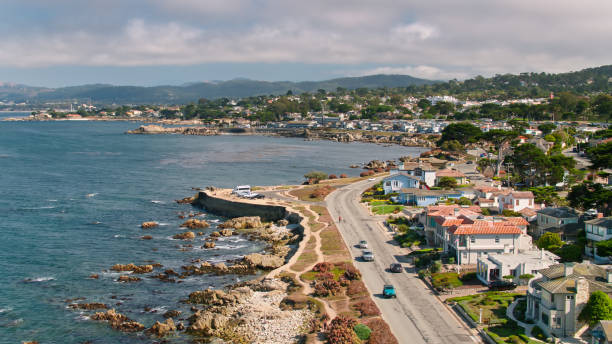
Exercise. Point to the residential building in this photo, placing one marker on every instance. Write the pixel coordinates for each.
(424, 171)
(602, 332)
(558, 294)
(398, 181)
(495, 266)
(424, 197)
(597, 230)
(457, 175)
(516, 201)
(556, 220)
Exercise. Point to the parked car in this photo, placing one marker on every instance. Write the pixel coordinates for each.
(389, 291)
(396, 267)
(368, 256)
(363, 244)
(502, 285)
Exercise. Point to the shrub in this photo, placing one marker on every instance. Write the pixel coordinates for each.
(366, 308)
(327, 287)
(340, 331)
(470, 276)
(356, 288)
(537, 332)
(364, 174)
(451, 260)
(324, 276)
(436, 266)
(321, 192)
(352, 273)
(316, 176)
(363, 332)
(323, 267)
(423, 273)
(381, 333)
(343, 175)
(332, 176)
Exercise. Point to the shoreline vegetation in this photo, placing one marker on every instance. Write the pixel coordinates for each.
(309, 289)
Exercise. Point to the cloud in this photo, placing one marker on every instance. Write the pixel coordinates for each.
(434, 39)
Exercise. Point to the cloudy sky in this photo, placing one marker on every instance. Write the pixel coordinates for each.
(151, 42)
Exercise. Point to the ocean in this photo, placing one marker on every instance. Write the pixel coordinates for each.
(74, 193)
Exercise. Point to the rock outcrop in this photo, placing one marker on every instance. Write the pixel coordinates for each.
(88, 306)
(125, 279)
(149, 225)
(160, 329)
(264, 261)
(137, 269)
(158, 129)
(243, 222)
(195, 224)
(209, 244)
(118, 321)
(210, 297)
(184, 236)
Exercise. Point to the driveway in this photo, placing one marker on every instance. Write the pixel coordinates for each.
(416, 316)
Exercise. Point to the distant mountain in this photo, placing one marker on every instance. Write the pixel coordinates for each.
(191, 92)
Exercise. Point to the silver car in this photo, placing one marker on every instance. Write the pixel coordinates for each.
(368, 256)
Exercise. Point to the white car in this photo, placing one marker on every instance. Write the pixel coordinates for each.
(371, 179)
(363, 244)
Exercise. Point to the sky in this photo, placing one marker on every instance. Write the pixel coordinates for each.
(57, 43)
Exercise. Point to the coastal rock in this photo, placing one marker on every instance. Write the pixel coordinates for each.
(375, 164)
(210, 297)
(94, 276)
(209, 244)
(242, 222)
(148, 129)
(227, 232)
(128, 326)
(215, 234)
(137, 269)
(118, 321)
(126, 278)
(263, 261)
(282, 223)
(195, 224)
(172, 314)
(207, 323)
(149, 225)
(184, 236)
(160, 329)
(88, 306)
(186, 200)
(146, 237)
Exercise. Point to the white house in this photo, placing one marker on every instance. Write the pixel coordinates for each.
(398, 181)
(516, 201)
(597, 230)
(495, 266)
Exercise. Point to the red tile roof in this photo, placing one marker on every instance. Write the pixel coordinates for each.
(485, 200)
(522, 194)
(517, 221)
(486, 227)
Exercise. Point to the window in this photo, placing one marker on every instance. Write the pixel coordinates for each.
(512, 272)
(569, 297)
(517, 202)
(472, 239)
(545, 318)
(497, 239)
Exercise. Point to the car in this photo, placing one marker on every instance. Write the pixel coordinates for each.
(502, 285)
(368, 256)
(389, 291)
(469, 162)
(363, 244)
(396, 267)
(371, 179)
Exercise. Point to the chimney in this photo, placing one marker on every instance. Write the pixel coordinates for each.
(456, 210)
(568, 269)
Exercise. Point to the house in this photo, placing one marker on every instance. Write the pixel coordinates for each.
(555, 219)
(424, 197)
(301, 124)
(602, 332)
(558, 294)
(466, 234)
(597, 230)
(542, 144)
(398, 181)
(495, 266)
(457, 175)
(425, 172)
(516, 201)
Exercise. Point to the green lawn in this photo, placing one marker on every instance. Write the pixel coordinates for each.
(446, 280)
(386, 209)
(409, 238)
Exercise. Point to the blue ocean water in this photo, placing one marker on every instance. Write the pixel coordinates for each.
(72, 197)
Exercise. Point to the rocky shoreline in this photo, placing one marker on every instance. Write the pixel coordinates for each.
(409, 140)
(248, 312)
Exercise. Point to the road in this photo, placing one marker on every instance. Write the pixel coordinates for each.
(416, 316)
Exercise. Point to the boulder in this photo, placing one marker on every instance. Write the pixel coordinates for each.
(160, 329)
(126, 278)
(264, 261)
(88, 306)
(282, 222)
(215, 234)
(128, 326)
(375, 164)
(172, 314)
(149, 225)
(207, 323)
(242, 222)
(94, 276)
(137, 269)
(184, 236)
(209, 244)
(212, 297)
(146, 237)
(195, 224)
(186, 200)
(227, 232)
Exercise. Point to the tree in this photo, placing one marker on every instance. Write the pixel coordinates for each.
(591, 195)
(547, 128)
(452, 146)
(601, 155)
(545, 194)
(548, 240)
(530, 163)
(447, 183)
(463, 132)
(463, 201)
(604, 248)
(423, 104)
(599, 307)
(570, 252)
(315, 176)
(499, 138)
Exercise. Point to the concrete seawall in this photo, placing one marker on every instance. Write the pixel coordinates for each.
(227, 208)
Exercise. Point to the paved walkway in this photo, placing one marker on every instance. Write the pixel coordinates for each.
(510, 314)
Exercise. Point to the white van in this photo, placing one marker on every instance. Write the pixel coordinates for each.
(242, 190)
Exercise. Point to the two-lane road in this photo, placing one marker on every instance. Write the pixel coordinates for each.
(416, 316)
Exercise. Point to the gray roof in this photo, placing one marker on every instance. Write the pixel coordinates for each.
(603, 222)
(425, 192)
(558, 283)
(560, 213)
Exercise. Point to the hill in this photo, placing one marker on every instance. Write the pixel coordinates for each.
(237, 88)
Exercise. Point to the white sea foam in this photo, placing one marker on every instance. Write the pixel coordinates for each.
(39, 279)
(5, 310)
(157, 202)
(214, 221)
(118, 236)
(52, 200)
(91, 195)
